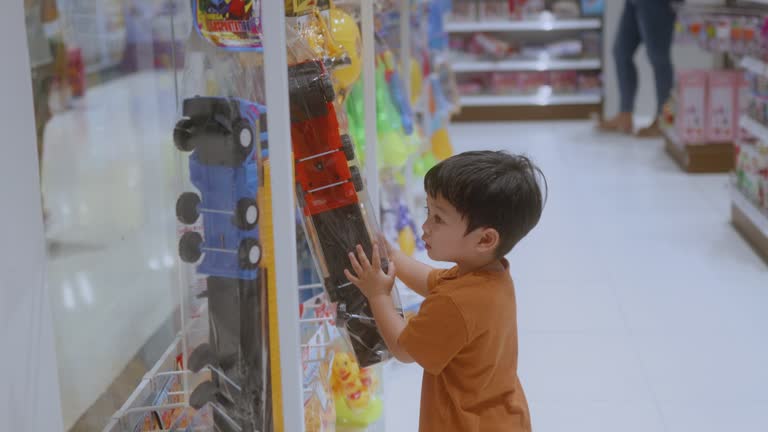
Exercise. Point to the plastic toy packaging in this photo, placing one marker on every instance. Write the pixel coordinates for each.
(224, 218)
(330, 189)
(356, 390)
(751, 174)
(734, 34)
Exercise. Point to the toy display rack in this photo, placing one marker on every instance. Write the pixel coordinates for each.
(290, 386)
(750, 221)
(706, 157)
(747, 218)
(699, 158)
(539, 106)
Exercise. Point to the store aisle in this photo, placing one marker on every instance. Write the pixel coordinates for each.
(640, 307)
(109, 189)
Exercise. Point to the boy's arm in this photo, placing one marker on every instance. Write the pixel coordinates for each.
(391, 326)
(413, 273)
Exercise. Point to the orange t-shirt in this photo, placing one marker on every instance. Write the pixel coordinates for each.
(465, 338)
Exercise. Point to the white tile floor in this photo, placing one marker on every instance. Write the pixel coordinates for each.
(640, 308)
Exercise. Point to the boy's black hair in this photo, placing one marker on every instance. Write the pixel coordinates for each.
(491, 189)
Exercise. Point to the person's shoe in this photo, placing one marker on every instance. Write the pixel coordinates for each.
(622, 123)
(652, 131)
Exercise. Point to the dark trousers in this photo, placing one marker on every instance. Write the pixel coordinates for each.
(651, 22)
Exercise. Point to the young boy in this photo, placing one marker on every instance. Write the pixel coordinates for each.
(480, 205)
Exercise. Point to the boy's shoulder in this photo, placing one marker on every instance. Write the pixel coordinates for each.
(476, 294)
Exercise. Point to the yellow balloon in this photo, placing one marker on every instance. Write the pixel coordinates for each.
(407, 241)
(441, 145)
(417, 83)
(346, 33)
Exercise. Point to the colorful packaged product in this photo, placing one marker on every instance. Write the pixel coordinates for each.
(692, 105)
(723, 108)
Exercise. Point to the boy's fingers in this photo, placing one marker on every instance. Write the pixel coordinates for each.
(383, 240)
(391, 270)
(363, 258)
(351, 278)
(376, 257)
(355, 265)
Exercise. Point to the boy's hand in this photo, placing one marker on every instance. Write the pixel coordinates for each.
(391, 251)
(369, 277)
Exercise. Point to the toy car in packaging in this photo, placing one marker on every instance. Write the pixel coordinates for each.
(329, 193)
(224, 139)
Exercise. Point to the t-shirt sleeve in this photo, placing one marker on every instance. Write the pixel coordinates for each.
(436, 334)
(432, 279)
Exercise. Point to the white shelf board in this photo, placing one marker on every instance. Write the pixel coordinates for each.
(525, 100)
(755, 128)
(758, 217)
(526, 65)
(528, 25)
(754, 65)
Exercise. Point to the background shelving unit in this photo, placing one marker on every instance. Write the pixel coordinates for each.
(744, 49)
(539, 97)
(707, 157)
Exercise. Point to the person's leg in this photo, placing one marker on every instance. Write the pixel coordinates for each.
(657, 26)
(42, 79)
(627, 41)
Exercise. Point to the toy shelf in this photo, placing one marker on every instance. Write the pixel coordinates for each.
(754, 65)
(527, 65)
(492, 104)
(750, 221)
(757, 129)
(699, 158)
(543, 24)
(525, 100)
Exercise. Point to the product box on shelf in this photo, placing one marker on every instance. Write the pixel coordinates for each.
(752, 171)
(592, 7)
(463, 11)
(493, 10)
(692, 103)
(722, 122)
(743, 103)
(526, 9)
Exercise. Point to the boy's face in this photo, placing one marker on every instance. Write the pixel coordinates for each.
(445, 232)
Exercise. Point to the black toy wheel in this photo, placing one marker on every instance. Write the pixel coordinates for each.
(243, 139)
(182, 135)
(328, 92)
(357, 179)
(249, 253)
(247, 214)
(202, 394)
(187, 208)
(348, 147)
(200, 357)
(189, 247)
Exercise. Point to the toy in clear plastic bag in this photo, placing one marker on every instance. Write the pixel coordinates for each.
(331, 193)
(356, 391)
(222, 213)
(229, 24)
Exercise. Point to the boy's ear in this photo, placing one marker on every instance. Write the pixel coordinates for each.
(489, 240)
